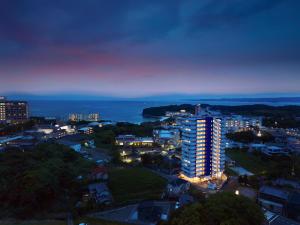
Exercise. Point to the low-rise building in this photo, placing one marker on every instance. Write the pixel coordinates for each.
(151, 212)
(274, 151)
(49, 131)
(85, 130)
(177, 187)
(76, 146)
(273, 199)
(100, 193)
(280, 201)
(275, 219)
(132, 140)
(76, 141)
(237, 122)
(22, 142)
(181, 113)
(98, 173)
(269, 150)
(90, 117)
(167, 138)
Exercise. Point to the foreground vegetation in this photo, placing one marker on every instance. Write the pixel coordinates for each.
(43, 180)
(135, 184)
(219, 209)
(88, 220)
(33, 222)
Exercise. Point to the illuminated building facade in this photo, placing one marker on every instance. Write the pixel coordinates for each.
(203, 152)
(91, 117)
(13, 111)
(236, 123)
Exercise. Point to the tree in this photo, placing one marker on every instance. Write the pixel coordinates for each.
(219, 209)
(34, 181)
(242, 136)
(191, 215)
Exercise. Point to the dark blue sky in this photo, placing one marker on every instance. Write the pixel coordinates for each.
(134, 48)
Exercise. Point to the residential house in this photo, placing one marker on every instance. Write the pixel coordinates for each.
(132, 140)
(151, 212)
(100, 193)
(85, 130)
(274, 151)
(273, 199)
(167, 138)
(76, 141)
(177, 187)
(98, 173)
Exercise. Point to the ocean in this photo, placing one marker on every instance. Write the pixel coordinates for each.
(125, 111)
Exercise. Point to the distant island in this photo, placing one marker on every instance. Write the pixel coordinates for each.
(277, 99)
(288, 115)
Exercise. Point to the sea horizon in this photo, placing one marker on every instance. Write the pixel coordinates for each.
(127, 110)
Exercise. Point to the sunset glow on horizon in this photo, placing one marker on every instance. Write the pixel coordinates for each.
(143, 48)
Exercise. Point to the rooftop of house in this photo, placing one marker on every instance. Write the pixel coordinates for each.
(154, 211)
(125, 136)
(99, 169)
(84, 128)
(258, 145)
(272, 147)
(280, 220)
(44, 126)
(93, 124)
(144, 139)
(133, 138)
(98, 187)
(10, 138)
(274, 192)
(67, 142)
(165, 133)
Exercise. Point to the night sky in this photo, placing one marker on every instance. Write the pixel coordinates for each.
(136, 48)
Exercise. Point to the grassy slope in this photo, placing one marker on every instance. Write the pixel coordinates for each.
(135, 184)
(250, 162)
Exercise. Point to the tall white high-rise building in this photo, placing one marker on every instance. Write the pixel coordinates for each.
(203, 152)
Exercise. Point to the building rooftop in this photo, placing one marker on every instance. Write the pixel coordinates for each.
(67, 142)
(84, 128)
(98, 187)
(275, 192)
(280, 220)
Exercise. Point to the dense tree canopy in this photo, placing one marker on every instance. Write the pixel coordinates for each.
(33, 181)
(249, 136)
(287, 121)
(247, 110)
(219, 209)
